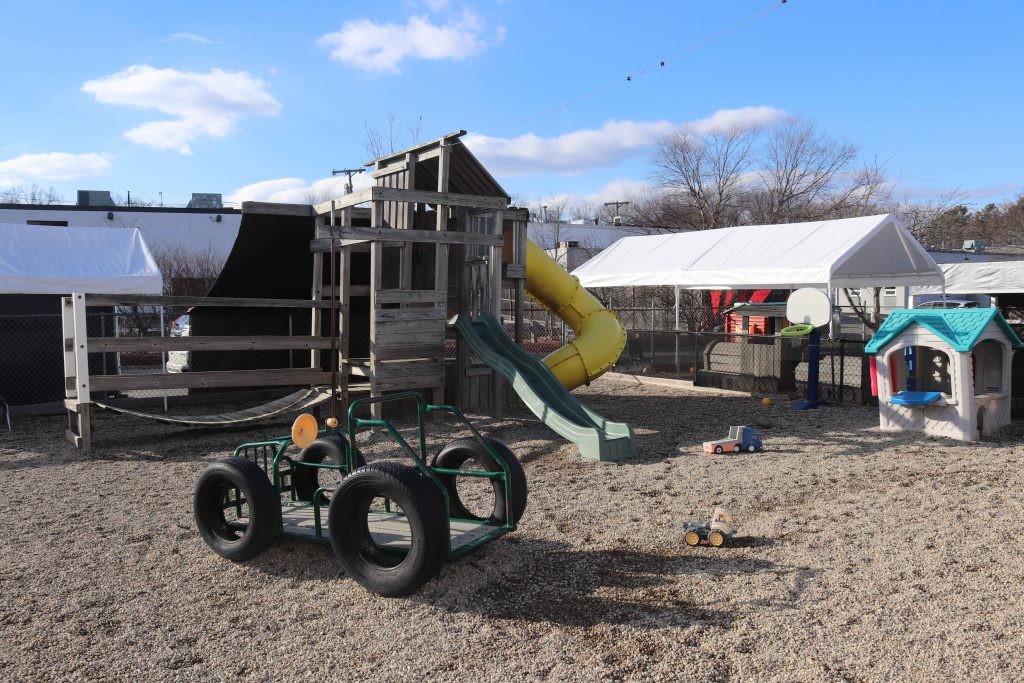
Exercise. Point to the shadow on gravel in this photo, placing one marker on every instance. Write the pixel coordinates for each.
(551, 582)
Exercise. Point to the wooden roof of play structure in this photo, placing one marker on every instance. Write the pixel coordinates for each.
(960, 328)
(466, 175)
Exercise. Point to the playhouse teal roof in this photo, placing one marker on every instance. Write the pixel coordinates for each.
(959, 327)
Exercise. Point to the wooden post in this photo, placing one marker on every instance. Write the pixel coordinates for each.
(441, 264)
(82, 389)
(497, 381)
(376, 263)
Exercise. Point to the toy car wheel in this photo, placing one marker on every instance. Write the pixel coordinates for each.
(751, 448)
(692, 538)
(716, 538)
(457, 453)
(236, 508)
(377, 556)
(330, 448)
(718, 449)
(736, 448)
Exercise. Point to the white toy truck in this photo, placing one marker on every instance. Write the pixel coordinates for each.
(716, 532)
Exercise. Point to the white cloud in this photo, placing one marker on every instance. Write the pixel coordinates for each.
(52, 166)
(436, 5)
(377, 48)
(190, 38)
(570, 153)
(587, 149)
(297, 190)
(744, 117)
(618, 190)
(204, 104)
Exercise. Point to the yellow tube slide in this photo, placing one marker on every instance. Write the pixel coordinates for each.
(600, 337)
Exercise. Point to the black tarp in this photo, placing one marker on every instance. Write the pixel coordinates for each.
(269, 260)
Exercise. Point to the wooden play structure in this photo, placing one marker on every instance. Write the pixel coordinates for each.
(944, 372)
(399, 273)
(437, 239)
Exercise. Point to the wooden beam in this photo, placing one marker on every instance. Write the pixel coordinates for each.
(475, 201)
(217, 379)
(415, 296)
(360, 197)
(396, 167)
(394, 194)
(225, 343)
(186, 301)
(410, 351)
(402, 314)
(416, 149)
(346, 233)
(278, 209)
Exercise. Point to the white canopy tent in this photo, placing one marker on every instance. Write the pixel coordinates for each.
(870, 251)
(37, 259)
(989, 277)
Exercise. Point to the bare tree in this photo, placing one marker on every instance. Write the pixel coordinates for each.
(22, 194)
(187, 272)
(704, 174)
(389, 138)
(806, 175)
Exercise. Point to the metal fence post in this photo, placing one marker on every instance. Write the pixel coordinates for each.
(652, 336)
(163, 355)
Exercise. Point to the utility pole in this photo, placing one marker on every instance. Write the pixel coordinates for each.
(349, 172)
(616, 219)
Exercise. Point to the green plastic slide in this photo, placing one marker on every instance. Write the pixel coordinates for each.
(543, 394)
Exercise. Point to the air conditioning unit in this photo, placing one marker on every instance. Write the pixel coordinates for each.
(205, 200)
(974, 245)
(94, 198)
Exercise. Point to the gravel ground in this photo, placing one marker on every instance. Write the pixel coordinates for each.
(864, 556)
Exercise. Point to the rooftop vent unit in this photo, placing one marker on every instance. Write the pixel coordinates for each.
(616, 220)
(94, 198)
(974, 245)
(205, 200)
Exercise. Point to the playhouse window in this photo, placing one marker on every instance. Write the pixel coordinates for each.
(920, 368)
(988, 367)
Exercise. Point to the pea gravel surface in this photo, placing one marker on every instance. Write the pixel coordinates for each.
(860, 556)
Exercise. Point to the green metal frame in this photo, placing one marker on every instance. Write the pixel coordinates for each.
(270, 456)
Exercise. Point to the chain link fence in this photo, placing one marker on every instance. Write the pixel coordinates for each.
(32, 365)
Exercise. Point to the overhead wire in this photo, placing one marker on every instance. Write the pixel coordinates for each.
(652, 67)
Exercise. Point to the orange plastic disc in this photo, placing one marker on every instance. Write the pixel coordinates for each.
(304, 430)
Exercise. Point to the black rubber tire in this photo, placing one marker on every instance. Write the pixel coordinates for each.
(263, 502)
(718, 449)
(459, 451)
(383, 573)
(331, 447)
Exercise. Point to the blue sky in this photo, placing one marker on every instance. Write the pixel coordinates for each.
(262, 100)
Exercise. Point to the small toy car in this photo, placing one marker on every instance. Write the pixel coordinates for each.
(716, 532)
(741, 438)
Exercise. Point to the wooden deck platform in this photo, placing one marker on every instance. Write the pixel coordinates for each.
(389, 529)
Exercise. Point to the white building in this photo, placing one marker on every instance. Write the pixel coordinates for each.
(196, 229)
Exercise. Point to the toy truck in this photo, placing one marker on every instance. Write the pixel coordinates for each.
(715, 533)
(741, 438)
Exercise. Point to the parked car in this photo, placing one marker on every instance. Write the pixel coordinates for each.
(950, 303)
(179, 361)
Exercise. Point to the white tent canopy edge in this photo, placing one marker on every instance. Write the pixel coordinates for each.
(868, 251)
(38, 259)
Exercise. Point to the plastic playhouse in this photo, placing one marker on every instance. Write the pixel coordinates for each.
(944, 372)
